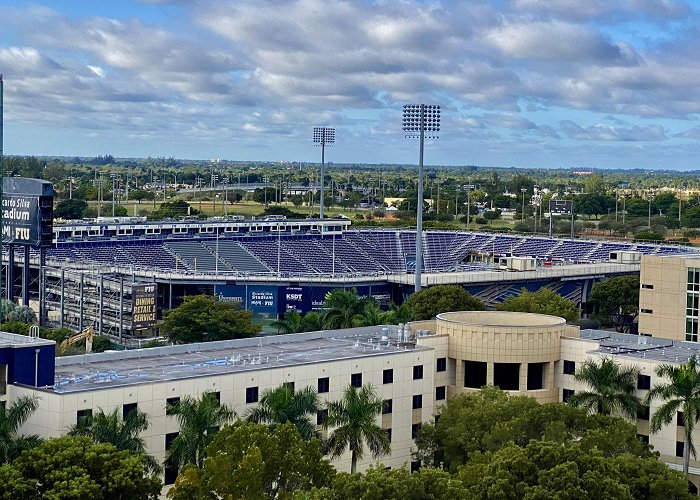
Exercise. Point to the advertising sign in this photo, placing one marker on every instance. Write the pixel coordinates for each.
(27, 212)
(144, 306)
(296, 298)
(561, 207)
(231, 293)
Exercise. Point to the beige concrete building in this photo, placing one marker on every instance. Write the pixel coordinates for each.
(669, 296)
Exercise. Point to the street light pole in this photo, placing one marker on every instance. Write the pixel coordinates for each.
(468, 188)
(322, 137)
(522, 214)
(420, 118)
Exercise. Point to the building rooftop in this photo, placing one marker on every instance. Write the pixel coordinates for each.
(14, 340)
(642, 347)
(159, 364)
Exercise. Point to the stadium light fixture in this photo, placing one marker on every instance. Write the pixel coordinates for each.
(417, 120)
(323, 136)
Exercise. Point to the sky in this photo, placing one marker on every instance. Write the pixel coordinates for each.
(523, 83)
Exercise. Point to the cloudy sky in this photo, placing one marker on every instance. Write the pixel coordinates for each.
(525, 83)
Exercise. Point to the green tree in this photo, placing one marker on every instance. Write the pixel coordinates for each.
(543, 301)
(199, 420)
(202, 318)
(547, 469)
(353, 420)
(342, 307)
(73, 467)
(390, 484)
(429, 302)
(616, 301)
(398, 314)
(292, 322)
(285, 405)
(248, 460)
(174, 209)
(123, 433)
(612, 387)
(370, 316)
(70, 209)
(681, 393)
(11, 419)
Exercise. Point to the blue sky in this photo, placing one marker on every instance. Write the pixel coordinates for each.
(525, 83)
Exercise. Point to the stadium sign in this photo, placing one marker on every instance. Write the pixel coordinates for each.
(27, 212)
(561, 207)
(144, 306)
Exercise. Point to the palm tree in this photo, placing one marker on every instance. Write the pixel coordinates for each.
(293, 322)
(612, 387)
(123, 433)
(370, 316)
(342, 306)
(283, 404)
(199, 420)
(354, 419)
(11, 419)
(681, 393)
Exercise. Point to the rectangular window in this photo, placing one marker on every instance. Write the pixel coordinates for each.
(415, 466)
(417, 401)
(251, 395)
(506, 376)
(356, 380)
(170, 472)
(680, 419)
(679, 448)
(290, 385)
(643, 382)
(217, 396)
(128, 408)
(82, 413)
(647, 286)
(691, 329)
(441, 364)
(474, 374)
(414, 430)
(569, 367)
(566, 394)
(535, 376)
(321, 417)
(388, 376)
(169, 403)
(643, 413)
(440, 393)
(387, 407)
(643, 438)
(646, 311)
(324, 385)
(417, 372)
(388, 434)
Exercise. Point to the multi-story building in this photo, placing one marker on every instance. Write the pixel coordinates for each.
(530, 354)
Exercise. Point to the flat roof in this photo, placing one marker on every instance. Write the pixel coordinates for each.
(159, 364)
(642, 347)
(8, 339)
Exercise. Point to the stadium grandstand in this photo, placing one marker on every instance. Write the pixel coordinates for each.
(97, 268)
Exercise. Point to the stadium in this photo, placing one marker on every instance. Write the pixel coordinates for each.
(119, 275)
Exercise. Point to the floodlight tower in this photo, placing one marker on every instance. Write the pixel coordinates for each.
(417, 120)
(2, 168)
(323, 136)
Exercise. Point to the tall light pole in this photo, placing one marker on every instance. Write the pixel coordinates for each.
(2, 168)
(323, 136)
(522, 214)
(468, 188)
(649, 198)
(114, 180)
(417, 120)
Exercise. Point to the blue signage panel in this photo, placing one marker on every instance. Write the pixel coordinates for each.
(295, 298)
(263, 300)
(231, 293)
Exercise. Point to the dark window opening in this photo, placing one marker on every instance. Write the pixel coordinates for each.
(569, 367)
(415, 466)
(356, 380)
(324, 385)
(440, 393)
(643, 382)
(128, 408)
(388, 434)
(414, 430)
(387, 407)
(680, 419)
(388, 376)
(566, 394)
(441, 364)
(417, 372)
(290, 385)
(535, 376)
(474, 374)
(321, 417)
(417, 401)
(170, 470)
(507, 376)
(251, 395)
(680, 445)
(643, 438)
(169, 403)
(643, 413)
(80, 414)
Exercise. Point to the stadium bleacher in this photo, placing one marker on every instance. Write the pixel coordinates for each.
(364, 251)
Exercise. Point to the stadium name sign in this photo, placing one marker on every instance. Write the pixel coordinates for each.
(27, 212)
